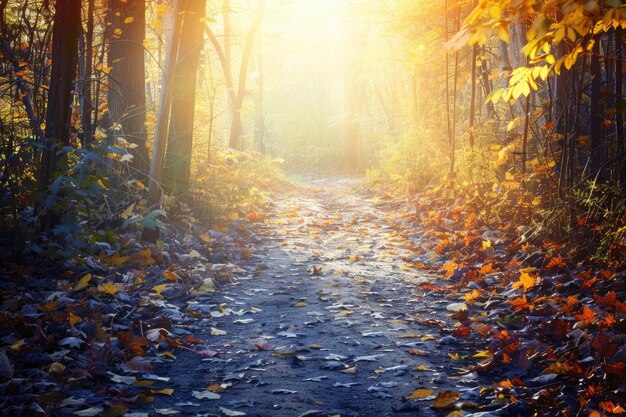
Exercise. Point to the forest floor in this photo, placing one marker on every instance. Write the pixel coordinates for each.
(331, 322)
(336, 301)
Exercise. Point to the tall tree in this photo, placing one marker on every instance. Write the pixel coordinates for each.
(353, 99)
(177, 168)
(235, 99)
(162, 123)
(259, 120)
(65, 34)
(236, 129)
(127, 86)
(86, 65)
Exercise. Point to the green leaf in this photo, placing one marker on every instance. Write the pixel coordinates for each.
(152, 222)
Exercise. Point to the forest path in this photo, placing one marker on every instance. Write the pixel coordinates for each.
(352, 340)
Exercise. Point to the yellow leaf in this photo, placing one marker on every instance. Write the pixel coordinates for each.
(129, 19)
(525, 280)
(454, 356)
(82, 283)
(72, 319)
(109, 288)
(164, 391)
(422, 368)
(159, 288)
(300, 304)
(421, 393)
(471, 296)
(315, 346)
(445, 400)
(167, 355)
(409, 336)
(483, 354)
(17, 345)
(56, 367)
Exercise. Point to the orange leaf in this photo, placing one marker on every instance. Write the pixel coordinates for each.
(170, 276)
(520, 303)
(135, 346)
(556, 263)
(587, 316)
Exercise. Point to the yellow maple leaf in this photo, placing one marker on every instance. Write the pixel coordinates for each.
(526, 281)
(129, 19)
(109, 288)
(471, 296)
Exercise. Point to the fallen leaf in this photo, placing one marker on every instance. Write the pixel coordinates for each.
(231, 413)
(217, 388)
(109, 288)
(90, 412)
(217, 332)
(166, 411)
(526, 281)
(206, 395)
(164, 391)
(82, 283)
(445, 400)
(420, 393)
(138, 363)
(159, 288)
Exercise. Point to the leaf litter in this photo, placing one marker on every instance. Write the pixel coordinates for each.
(435, 327)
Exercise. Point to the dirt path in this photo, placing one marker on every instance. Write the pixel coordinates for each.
(352, 340)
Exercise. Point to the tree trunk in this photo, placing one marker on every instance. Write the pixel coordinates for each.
(619, 97)
(236, 130)
(161, 129)
(86, 103)
(127, 85)
(472, 115)
(65, 34)
(177, 168)
(596, 113)
(259, 121)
